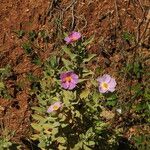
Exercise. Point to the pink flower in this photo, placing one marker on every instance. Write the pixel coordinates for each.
(73, 36)
(69, 80)
(106, 84)
(54, 107)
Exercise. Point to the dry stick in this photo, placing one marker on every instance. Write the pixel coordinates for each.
(50, 7)
(82, 17)
(118, 20)
(140, 38)
(144, 32)
(72, 12)
(110, 20)
(110, 28)
(73, 20)
(141, 5)
(129, 3)
(49, 11)
(146, 37)
(63, 10)
(147, 25)
(138, 28)
(117, 13)
(116, 8)
(72, 3)
(4, 38)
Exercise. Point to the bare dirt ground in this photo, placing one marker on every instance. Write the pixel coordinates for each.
(107, 20)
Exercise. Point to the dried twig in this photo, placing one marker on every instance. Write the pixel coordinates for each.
(147, 26)
(71, 4)
(141, 5)
(73, 18)
(117, 13)
(82, 18)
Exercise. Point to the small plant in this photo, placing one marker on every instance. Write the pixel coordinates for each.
(4, 74)
(5, 140)
(5, 144)
(27, 47)
(128, 37)
(20, 33)
(70, 102)
(138, 90)
(5, 137)
(142, 140)
(32, 35)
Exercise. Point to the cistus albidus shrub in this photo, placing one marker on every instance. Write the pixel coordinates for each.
(69, 101)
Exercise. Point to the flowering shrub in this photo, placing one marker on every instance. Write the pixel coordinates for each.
(70, 101)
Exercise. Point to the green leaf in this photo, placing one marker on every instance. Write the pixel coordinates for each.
(44, 103)
(53, 61)
(35, 136)
(128, 36)
(87, 73)
(42, 144)
(38, 109)
(88, 41)
(112, 97)
(63, 125)
(111, 103)
(68, 96)
(112, 100)
(36, 60)
(47, 126)
(2, 86)
(84, 94)
(39, 118)
(33, 35)
(78, 146)
(62, 117)
(82, 80)
(36, 126)
(65, 34)
(5, 72)
(90, 57)
(77, 114)
(61, 140)
(27, 47)
(69, 53)
(60, 147)
(56, 124)
(54, 131)
(20, 33)
(148, 105)
(94, 82)
(91, 143)
(68, 64)
(85, 147)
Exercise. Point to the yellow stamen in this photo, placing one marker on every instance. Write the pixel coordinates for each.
(74, 38)
(104, 85)
(68, 79)
(55, 107)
